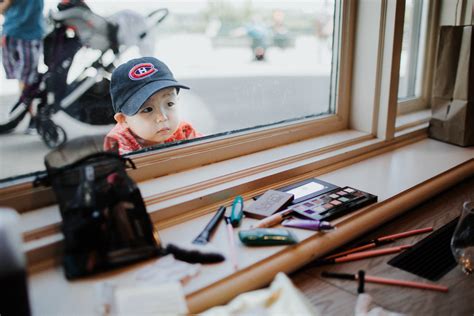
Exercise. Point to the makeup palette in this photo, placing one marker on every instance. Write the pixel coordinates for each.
(306, 189)
(333, 204)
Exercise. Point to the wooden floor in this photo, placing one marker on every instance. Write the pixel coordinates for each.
(338, 297)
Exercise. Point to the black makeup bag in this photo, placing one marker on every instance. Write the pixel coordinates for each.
(104, 219)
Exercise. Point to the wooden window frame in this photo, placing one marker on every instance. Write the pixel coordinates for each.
(367, 103)
(366, 136)
(21, 195)
(341, 137)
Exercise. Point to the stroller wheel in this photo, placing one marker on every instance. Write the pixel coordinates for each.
(53, 135)
(17, 115)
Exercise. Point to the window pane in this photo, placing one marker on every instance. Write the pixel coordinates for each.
(248, 64)
(413, 47)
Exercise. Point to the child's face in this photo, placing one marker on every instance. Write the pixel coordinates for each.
(157, 119)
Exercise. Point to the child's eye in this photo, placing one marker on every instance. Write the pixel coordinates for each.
(170, 104)
(147, 109)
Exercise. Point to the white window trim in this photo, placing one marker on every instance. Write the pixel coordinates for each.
(440, 13)
(423, 100)
(412, 119)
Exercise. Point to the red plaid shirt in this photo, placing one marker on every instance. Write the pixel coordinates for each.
(122, 140)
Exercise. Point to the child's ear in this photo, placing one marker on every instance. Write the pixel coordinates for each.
(119, 117)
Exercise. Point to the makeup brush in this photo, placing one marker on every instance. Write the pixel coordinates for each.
(193, 255)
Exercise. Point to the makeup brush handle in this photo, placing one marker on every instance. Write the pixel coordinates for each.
(205, 235)
(270, 221)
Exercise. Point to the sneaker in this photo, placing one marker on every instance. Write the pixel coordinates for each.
(31, 129)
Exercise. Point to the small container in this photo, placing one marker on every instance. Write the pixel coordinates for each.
(462, 242)
(237, 211)
(267, 237)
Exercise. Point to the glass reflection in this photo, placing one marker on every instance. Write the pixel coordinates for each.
(248, 63)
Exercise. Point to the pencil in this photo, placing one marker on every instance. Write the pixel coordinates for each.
(230, 236)
(381, 241)
(406, 234)
(375, 279)
(352, 250)
(273, 220)
(363, 255)
(425, 286)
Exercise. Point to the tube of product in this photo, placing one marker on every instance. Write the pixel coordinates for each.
(309, 224)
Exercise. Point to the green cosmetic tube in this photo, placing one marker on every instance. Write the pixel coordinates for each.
(237, 211)
(267, 237)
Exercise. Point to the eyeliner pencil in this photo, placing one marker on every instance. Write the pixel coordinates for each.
(375, 279)
(381, 241)
(230, 236)
(363, 255)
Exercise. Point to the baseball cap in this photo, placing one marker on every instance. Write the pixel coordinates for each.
(138, 79)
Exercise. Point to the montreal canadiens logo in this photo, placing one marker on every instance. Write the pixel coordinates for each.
(142, 71)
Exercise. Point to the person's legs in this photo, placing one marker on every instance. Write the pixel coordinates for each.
(31, 53)
(20, 60)
(10, 57)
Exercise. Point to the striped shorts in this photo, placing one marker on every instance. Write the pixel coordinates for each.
(20, 58)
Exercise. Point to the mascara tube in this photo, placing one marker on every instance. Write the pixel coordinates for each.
(308, 224)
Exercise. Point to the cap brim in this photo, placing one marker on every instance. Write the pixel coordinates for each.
(135, 102)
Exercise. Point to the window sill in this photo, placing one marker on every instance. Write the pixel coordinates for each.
(179, 197)
(396, 176)
(169, 196)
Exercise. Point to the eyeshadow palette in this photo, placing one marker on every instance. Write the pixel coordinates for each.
(333, 204)
(306, 189)
(268, 203)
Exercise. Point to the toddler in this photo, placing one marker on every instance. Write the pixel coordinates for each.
(144, 97)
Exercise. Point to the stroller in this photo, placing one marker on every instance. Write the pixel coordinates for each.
(87, 97)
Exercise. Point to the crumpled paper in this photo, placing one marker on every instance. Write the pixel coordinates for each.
(165, 276)
(281, 298)
(168, 269)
